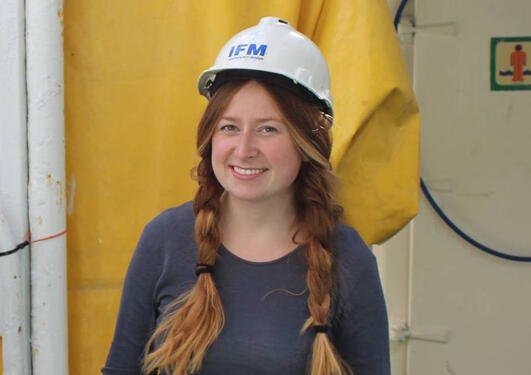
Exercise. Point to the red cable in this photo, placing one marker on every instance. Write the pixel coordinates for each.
(27, 241)
(28, 236)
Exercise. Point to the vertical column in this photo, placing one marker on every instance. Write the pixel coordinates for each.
(46, 189)
(14, 268)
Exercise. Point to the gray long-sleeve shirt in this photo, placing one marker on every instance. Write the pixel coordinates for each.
(265, 304)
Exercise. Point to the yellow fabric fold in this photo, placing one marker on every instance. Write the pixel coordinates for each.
(376, 128)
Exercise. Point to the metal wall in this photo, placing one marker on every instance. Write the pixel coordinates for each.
(458, 310)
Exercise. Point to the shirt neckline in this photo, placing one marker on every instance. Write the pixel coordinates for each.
(223, 250)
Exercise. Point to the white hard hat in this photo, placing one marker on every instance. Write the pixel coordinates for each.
(272, 49)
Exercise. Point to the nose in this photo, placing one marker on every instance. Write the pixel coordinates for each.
(246, 147)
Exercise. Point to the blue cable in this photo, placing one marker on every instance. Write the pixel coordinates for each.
(438, 209)
(465, 236)
(398, 14)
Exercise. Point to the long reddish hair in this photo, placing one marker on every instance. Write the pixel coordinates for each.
(196, 318)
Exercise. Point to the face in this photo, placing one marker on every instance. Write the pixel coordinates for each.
(253, 155)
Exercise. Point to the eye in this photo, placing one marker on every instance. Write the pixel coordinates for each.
(228, 128)
(267, 129)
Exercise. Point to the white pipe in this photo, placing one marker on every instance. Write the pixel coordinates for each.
(46, 189)
(411, 264)
(14, 268)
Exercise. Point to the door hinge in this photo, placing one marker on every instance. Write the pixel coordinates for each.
(404, 333)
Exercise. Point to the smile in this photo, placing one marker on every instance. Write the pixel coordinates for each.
(248, 171)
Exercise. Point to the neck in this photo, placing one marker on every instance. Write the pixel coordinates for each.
(260, 230)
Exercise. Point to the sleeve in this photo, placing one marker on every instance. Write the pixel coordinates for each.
(361, 329)
(137, 313)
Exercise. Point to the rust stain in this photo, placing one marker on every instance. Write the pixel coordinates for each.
(39, 220)
(49, 179)
(61, 19)
(60, 192)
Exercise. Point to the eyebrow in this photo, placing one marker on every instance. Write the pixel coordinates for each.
(261, 119)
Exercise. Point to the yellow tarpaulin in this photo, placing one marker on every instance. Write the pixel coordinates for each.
(132, 107)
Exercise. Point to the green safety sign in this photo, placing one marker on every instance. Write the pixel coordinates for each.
(510, 68)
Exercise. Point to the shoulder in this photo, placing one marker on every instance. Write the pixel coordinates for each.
(351, 253)
(175, 220)
(167, 246)
(173, 226)
(182, 215)
(354, 262)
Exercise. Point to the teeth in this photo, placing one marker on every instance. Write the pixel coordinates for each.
(248, 172)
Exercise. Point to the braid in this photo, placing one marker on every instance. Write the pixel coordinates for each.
(325, 359)
(196, 317)
(319, 217)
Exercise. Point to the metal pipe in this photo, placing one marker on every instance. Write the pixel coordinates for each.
(46, 189)
(14, 268)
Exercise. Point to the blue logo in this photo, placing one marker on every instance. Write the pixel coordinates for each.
(248, 50)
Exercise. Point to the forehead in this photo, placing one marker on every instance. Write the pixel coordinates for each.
(253, 99)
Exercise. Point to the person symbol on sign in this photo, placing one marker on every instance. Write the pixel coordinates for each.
(518, 60)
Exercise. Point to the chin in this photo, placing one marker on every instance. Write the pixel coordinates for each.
(247, 197)
(256, 196)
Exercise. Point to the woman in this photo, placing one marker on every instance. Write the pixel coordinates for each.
(256, 276)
